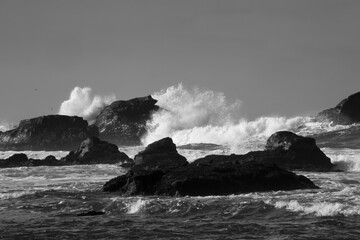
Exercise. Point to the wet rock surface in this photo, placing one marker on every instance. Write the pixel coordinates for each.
(47, 133)
(124, 122)
(211, 175)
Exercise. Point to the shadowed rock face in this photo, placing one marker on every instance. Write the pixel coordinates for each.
(94, 151)
(161, 154)
(211, 175)
(21, 160)
(293, 152)
(124, 122)
(91, 151)
(346, 112)
(52, 132)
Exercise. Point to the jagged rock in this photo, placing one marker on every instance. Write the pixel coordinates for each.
(94, 151)
(124, 122)
(212, 175)
(161, 154)
(345, 113)
(293, 152)
(49, 133)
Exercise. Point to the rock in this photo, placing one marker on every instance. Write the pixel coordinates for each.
(21, 160)
(345, 113)
(202, 178)
(91, 151)
(124, 122)
(94, 151)
(91, 213)
(212, 175)
(161, 154)
(293, 152)
(230, 177)
(47, 133)
(48, 161)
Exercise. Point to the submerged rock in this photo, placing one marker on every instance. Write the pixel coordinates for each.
(90, 213)
(124, 122)
(47, 133)
(345, 113)
(211, 175)
(94, 151)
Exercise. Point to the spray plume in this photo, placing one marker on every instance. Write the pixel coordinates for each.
(81, 103)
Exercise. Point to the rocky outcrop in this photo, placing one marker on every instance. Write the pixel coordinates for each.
(161, 154)
(345, 113)
(293, 152)
(212, 175)
(124, 122)
(94, 151)
(21, 160)
(52, 132)
(91, 151)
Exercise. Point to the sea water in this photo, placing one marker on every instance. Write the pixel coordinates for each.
(44, 203)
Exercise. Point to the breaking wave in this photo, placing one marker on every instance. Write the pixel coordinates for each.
(320, 208)
(81, 103)
(203, 116)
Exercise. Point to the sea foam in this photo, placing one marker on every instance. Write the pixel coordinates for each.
(203, 116)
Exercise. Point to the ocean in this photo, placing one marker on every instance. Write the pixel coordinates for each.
(48, 202)
(44, 203)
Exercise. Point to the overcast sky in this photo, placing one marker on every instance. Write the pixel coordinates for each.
(278, 57)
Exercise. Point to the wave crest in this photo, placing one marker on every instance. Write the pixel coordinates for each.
(195, 116)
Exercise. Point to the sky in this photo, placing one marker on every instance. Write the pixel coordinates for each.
(284, 58)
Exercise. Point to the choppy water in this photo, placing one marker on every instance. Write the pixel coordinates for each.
(44, 203)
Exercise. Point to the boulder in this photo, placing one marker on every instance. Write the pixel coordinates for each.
(161, 154)
(95, 151)
(47, 133)
(124, 122)
(212, 175)
(345, 113)
(293, 152)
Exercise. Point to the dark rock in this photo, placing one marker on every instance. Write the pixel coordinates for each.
(94, 151)
(91, 151)
(52, 132)
(293, 152)
(135, 182)
(91, 213)
(48, 161)
(212, 175)
(16, 160)
(21, 160)
(124, 122)
(161, 154)
(230, 177)
(345, 113)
